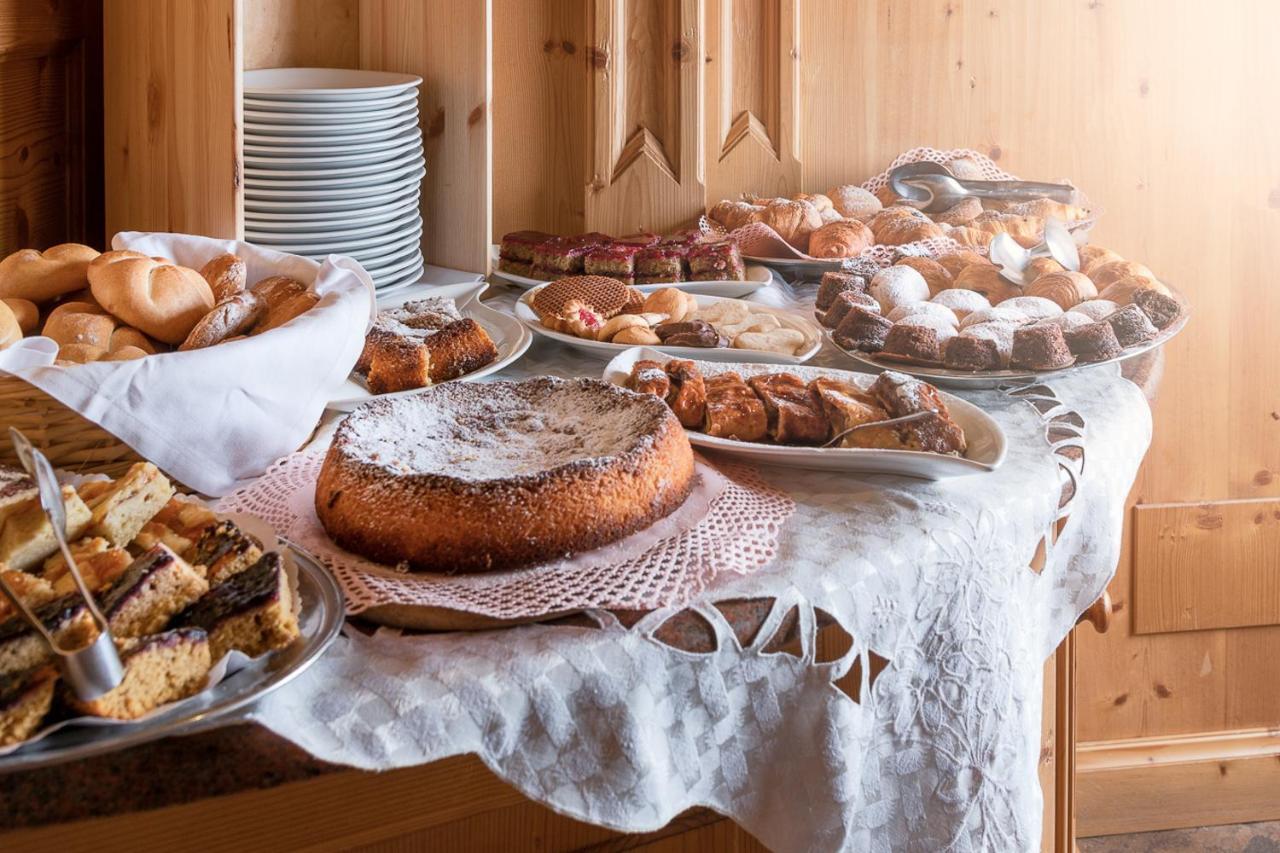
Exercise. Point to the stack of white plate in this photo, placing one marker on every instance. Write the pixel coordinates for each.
(333, 164)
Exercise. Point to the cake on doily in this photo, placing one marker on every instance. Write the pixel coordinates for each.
(470, 477)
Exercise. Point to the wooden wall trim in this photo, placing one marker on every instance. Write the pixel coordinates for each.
(1205, 779)
(1206, 565)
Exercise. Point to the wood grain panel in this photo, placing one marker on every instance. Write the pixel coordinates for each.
(540, 122)
(1210, 565)
(450, 46)
(753, 98)
(173, 134)
(647, 149)
(302, 33)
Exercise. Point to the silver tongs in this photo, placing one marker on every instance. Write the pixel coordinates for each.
(934, 188)
(94, 669)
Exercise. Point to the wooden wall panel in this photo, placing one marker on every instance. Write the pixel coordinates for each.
(1206, 565)
(647, 120)
(302, 33)
(173, 128)
(50, 124)
(449, 45)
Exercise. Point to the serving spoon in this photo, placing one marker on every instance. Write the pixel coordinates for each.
(898, 421)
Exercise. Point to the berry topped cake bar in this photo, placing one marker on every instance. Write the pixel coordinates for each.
(515, 254)
(660, 264)
(563, 256)
(616, 260)
(716, 262)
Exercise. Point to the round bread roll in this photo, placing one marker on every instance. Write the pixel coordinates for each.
(887, 197)
(1025, 230)
(278, 289)
(1122, 291)
(226, 276)
(1037, 267)
(41, 276)
(896, 226)
(853, 202)
(986, 279)
(1092, 257)
(616, 324)
(960, 214)
(818, 200)
(954, 262)
(966, 168)
(896, 286)
(229, 318)
(286, 311)
(676, 304)
(125, 353)
(163, 300)
(79, 323)
(80, 353)
(843, 239)
(830, 215)
(962, 302)
(1067, 289)
(935, 274)
(793, 220)
(127, 336)
(635, 335)
(10, 331)
(968, 236)
(26, 313)
(1108, 274)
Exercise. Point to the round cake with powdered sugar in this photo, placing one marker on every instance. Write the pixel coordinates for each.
(470, 477)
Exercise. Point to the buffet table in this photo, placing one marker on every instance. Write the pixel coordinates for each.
(921, 730)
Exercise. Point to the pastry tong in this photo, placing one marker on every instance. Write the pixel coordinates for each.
(1013, 259)
(891, 422)
(94, 669)
(934, 188)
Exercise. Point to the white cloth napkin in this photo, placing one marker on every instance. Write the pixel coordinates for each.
(216, 418)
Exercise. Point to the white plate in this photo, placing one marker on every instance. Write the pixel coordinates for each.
(509, 336)
(264, 221)
(343, 138)
(360, 248)
(400, 280)
(337, 177)
(279, 148)
(602, 349)
(270, 173)
(409, 219)
(353, 157)
(983, 435)
(257, 118)
(795, 267)
(757, 277)
(355, 204)
(339, 126)
(326, 112)
(948, 378)
(399, 186)
(394, 266)
(325, 84)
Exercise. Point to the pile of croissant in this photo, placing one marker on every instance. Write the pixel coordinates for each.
(122, 305)
(848, 219)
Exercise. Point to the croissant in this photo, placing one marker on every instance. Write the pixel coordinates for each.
(1107, 274)
(1122, 291)
(986, 279)
(163, 300)
(895, 226)
(734, 214)
(843, 239)
(793, 220)
(41, 276)
(1092, 257)
(818, 200)
(1067, 289)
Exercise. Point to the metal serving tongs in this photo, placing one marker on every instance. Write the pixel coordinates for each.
(94, 669)
(934, 188)
(1013, 259)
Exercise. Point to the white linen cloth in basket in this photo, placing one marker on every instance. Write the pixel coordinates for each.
(216, 418)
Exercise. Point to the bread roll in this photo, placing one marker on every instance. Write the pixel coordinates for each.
(843, 239)
(1041, 266)
(126, 353)
(229, 318)
(278, 289)
(1092, 257)
(935, 274)
(1122, 291)
(10, 331)
(26, 312)
(163, 300)
(734, 214)
(818, 200)
(226, 276)
(127, 336)
(1066, 289)
(853, 202)
(955, 262)
(80, 323)
(960, 214)
(966, 168)
(41, 276)
(1107, 274)
(286, 311)
(80, 353)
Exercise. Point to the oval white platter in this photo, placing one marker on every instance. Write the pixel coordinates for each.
(949, 378)
(398, 185)
(791, 267)
(313, 179)
(337, 204)
(327, 112)
(757, 277)
(264, 221)
(603, 349)
(983, 435)
(508, 334)
(325, 84)
(396, 121)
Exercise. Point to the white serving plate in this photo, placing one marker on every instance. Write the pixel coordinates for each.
(362, 248)
(948, 378)
(985, 439)
(410, 218)
(278, 148)
(337, 126)
(306, 119)
(509, 336)
(400, 280)
(342, 138)
(353, 157)
(796, 267)
(329, 108)
(338, 178)
(394, 267)
(339, 204)
(401, 185)
(602, 349)
(270, 173)
(325, 84)
(757, 277)
(305, 221)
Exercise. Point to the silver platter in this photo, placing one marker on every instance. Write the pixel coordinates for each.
(320, 620)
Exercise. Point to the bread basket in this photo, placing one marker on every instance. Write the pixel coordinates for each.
(71, 442)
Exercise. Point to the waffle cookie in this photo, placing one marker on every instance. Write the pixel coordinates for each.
(605, 296)
(158, 669)
(251, 612)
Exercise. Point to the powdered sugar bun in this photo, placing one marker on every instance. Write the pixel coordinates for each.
(962, 302)
(898, 285)
(996, 314)
(1035, 307)
(929, 309)
(1096, 309)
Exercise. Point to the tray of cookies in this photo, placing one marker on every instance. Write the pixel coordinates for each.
(955, 320)
(428, 334)
(208, 614)
(821, 418)
(696, 260)
(602, 317)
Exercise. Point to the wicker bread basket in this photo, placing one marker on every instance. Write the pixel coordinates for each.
(70, 441)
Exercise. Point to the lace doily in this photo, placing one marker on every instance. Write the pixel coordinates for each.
(668, 564)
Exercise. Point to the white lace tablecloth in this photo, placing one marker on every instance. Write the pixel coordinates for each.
(940, 752)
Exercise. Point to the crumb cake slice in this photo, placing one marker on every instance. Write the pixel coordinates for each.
(158, 669)
(128, 503)
(156, 586)
(252, 612)
(26, 538)
(224, 550)
(470, 477)
(25, 699)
